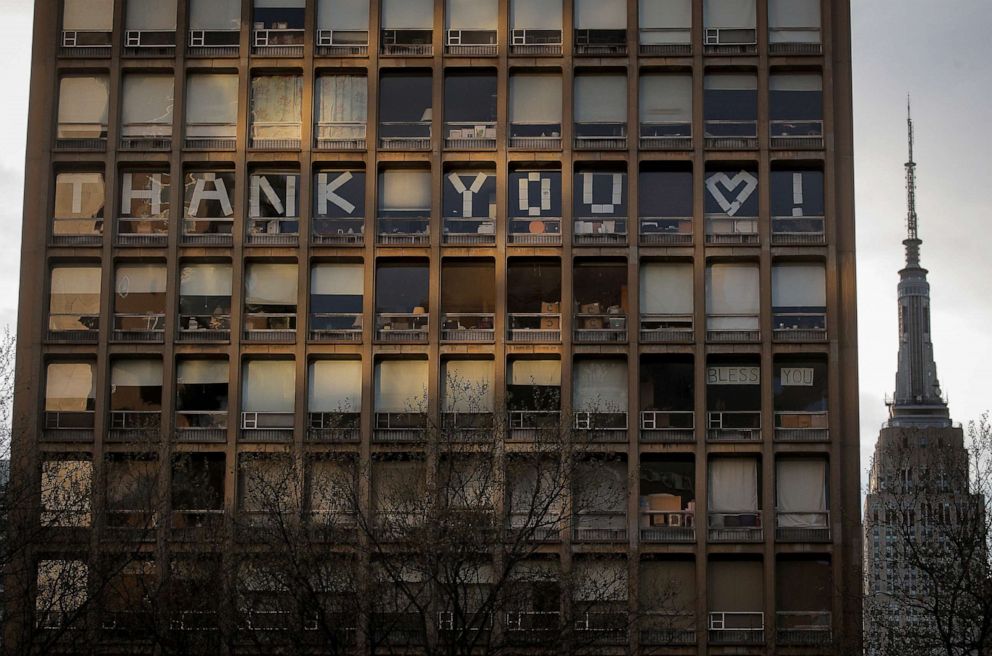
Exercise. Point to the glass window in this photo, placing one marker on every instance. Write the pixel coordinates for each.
(269, 386)
(208, 203)
(666, 385)
(732, 298)
(665, 586)
(736, 585)
(339, 205)
(147, 106)
(336, 292)
(535, 14)
(666, 288)
(804, 608)
(139, 301)
(131, 497)
(469, 200)
(799, 297)
(215, 15)
(88, 16)
(600, 14)
(341, 108)
(795, 104)
(535, 106)
(665, 203)
(144, 210)
(407, 14)
(402, 287)
(600, 106)
(472, 15)
(800, 394)
(533, 286)
(211, 108)
(600, 386)
(535, 206)
(731, 205)
(63, 588)
(533, 386)
(401, 386)
(665, 22)
(205, 297)
(404, 203)
(135, 390)
(270, 287)
(197, 491)
(279, 14)
(470, 105)
(469, 386)
(201, 393)
(468, 295)
(79, 202)
(344, 15)
(276, 109)
(801, 493)
(83, 107)
(273, 202)
(733, 399)
(70, 392)
(150, 15)
(600, 202)
(666, 105)
(600, 288)
(74, 304)
(405, 102)
(335, 386)
(729, 14)
(796, 194)
(730, 104)
(793, 21)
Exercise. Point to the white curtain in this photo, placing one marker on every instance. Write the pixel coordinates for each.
(155, 15)
(84, 99)
(68, 386)
(276, 98)
(733, 485)
(401, 386)
(600, 386)
(666, 288)
(147, 99)
(212, 98)
(535, 14)
(600, 99)
(269, 386)
(205, 280)
(801, 490)
(536, 372)
(535, 98)
(733, 289)
(337, 279)
(202, 372)
(215, 15)
(407, 14)
(136, 373)
(271, 284)
(95, 15)
(666, 14)
(799, 285)
(600, 14)
(729, 13)
(141, 279)
(335, 386)
(343, 15)
(472, 14)
(469, 386)
(666, 98)
(342, 99)
(601, 580)
(405, 189)
(795, 82)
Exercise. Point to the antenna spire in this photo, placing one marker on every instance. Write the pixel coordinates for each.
(911, 218)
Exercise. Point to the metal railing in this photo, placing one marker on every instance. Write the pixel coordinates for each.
(599, 426)
(532, 625)
(801, 426)
(201, 425)
(733, 426)
(665, 41)
(86, 43)
(796, 135)
(668, 426)
(668, 526)
(407, 42)
(602, 628)
(69, 426)
(667, 328)
(725, 334)
(731, 134)
(530, 425)
(804, 629)
(798, 231)
(334, 426)
(336, 327)
(737, 628)
(598, 328)
(150, 42)
(735, 231)
(600, 42)
(274, 135)
(468, 327)
(69, 328)
(337, 43)
(669, 135)
(267, 426)
(139, 327)
(471, 43)
(533, 327)
(80, 137)
(136, 425)
(534, 526)
(405, 135)
(337, 231)
(213, 43)
(468, 427)
(599, 231)
(400, 427)
(470, 135)
(735, 527)
(146, 136)
(77, 232)
(403, 230)
(409, 327)
(470, 231)
(210, 136)
(535, 136)
(791, 326)
(199, 328)
(600, 136)
(282, 42)
(529, 41)
(340, 135)
(791, 41)
(277, 327)
(659, 629)
(535, 231)
(273, 231)
(813, 526)
(599, 527)
(730, 41)
(666, 231)
(142, 232)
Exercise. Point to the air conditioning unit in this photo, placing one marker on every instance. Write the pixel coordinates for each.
(446, 620)
(583, 420)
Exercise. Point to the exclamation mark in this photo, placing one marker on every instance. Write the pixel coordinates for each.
(797, 194)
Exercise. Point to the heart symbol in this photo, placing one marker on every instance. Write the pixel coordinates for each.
(713, 183)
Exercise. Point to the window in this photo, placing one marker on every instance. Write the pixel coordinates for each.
(278, 27)
(469, 200)
(733, 400)
(339, 207)
(801, 495)
(150, 26)
(800, 399)
(599, 514)
(470, 109)
(70, 399)
(804, 610)
(667, 592)
(334, 400)
(74, 304)
(794, 27)
(342, 27)
(665, 27)
(534, 206)
(533, 300)
(535, 27)
(469, 398)
(730, 110)
(599, 398)
(400, 399)
(212, 111)
(396, 484)
(667, 399)
(273, 214)
(600, 111)
(202, 399)
(270, 302)
(405, 110)
(533, 397)
(214, 27)
(795, 108)
(66, 493)
(87, 26)
(197, 499)
(268, 399)
(600, 27)
(731, 205)
(146, 114)
(276, 110)
(332, 486)
(407, 27)
(730, 26)
(209, 207)
(139, 303)
(267, 491)
(668, 508)
(204, 302)
(342, 112)
(736, 600)
(797, 206)
(535, 111)
(471, 27)
(83, 110)
(62, 590)
(135, 399)
(132, 500)
(666, 302)
(600, 289)
(78, 213)
(666, 111)
(665, 204)
(734, 502)
(599, 207)
(799, 302)
(732, 301)
(401, 302)
(144, 209)
(404, 206)
(468, 300)
(336, 293)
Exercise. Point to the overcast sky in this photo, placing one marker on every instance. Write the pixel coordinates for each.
(937, 51)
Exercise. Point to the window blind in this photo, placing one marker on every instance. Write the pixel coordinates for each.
(83, 99)
(600, 14)
(212, 98)
(155, 15)
(202, 372)
(76, 290)
(88, 15)
(600, 99)
(469, 386)
(136, 373)
(665, 98)
(666, 288)
(141, 279)
(472, 14)
(600, 386)
(147, 99)
(799, 285)
(407, 14)
(343, 15)
(337, 279)
(729, 14)
(665, 14)
(215, 14)
(535, 372)
(401, 386)
(271, 284)
(268, 386)
(732, 289)
(205, 280)
(535, 98)
(405, 190)
(803, 16)
(535, 14)
(335, 386)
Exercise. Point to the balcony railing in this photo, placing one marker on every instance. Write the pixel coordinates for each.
(213, 43)
(535, 231)
(804, 629)
(468, 427)
(267, 426)
(665, 41)
(668, 526)
(393, 427)
(146, 136)
(340, 135)
(535, 526)
(273, 231)
(798, 231)
(150, 43)
(77, 232)
(602, 628)
(201, 328)
(470, 135)
(467, 327)
(599, 527)
(135, 425)
(338, 231)
(811, 526)
(342, 43)
(73, 328)
(600, 43)
(531, 425)
(672, 135)
(600, 136)
(659, 629)
(731, 135)
(730, 41)
(406, 42)
(794, 41)
(668, 426)
(142, 232)
(336, 327)
(533, 626)
(796, 326)
(139, 327)
(274, 135)
(471, 43)
(69, 426)
(667, 328)
(801, 426)
(403, 230)
(334, 427)
(86, 43)
(283, 42)
(201, 425)
(402, 327)
(666, 231)
(535, 136)
(732, 231)
(732, 328)
(534, 328)
(535, 42)
(600, 328)
(733, 426)
(405, 135)
(210, 136)
(596, 231)
(469, 231)
(736, 527)
(598, 426)
(796, 135)
(737, 628)
(272, 327)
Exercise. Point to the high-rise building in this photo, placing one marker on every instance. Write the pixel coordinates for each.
(265, 227)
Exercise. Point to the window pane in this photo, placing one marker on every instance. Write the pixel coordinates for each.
(340, 194)
(733, 485)
(470, 194)
(279, 14)
(470, 98)
(665, 13)
(736, 586)
(794, 21)
(269, 386)
(150, 15)
(276, 104)
(405, 98)
(209, 194)
(795, 97)
(472, 14)
(600, 386)
(271, 284)
(83, 106)
(140, 289)
(469, 386)
(731, 193)
(600, 99)
(799, 286)
(535, 14)
(535, 99)
(407, 14)
(797, 193)
(666, 288)
(83, 15)
(468, 286)
(801, 492)
(212, 105)
(335, 386)
(145, 195)
(405, 190)
(401, 386)
(665, 193)
(600, 194)
(273, 195)
(205, 280)
(69, 387)
(666, 99)
(600, 14)
(732, 289)
(342, 99)
(343, 15)
(66, 492)
(147, 105)
(215, 14)
(79, 196)
(401, 287)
